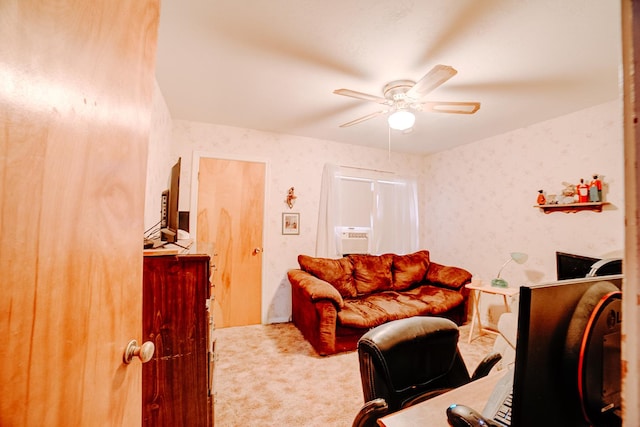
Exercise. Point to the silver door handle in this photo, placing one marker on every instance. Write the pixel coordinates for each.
(144, 351)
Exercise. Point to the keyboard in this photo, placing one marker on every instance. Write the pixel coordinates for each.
(498, 407)
(503, 415)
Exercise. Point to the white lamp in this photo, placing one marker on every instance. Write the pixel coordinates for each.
(401, 120)
(518, 257)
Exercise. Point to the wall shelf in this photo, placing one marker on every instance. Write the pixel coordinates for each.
(572, 207)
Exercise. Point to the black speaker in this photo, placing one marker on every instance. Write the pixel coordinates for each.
(183, 221)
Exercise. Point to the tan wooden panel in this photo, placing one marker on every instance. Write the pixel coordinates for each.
(230, 215)
(631, 283)
(76, 83)
(433, 412)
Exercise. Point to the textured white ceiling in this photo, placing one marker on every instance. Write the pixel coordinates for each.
(273, 64)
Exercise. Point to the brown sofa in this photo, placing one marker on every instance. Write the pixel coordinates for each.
(336, 301)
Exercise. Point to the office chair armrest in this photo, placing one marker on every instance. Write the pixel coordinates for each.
(368, 415)
(485, 366)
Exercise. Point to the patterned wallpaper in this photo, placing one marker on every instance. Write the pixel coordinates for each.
(476, 201)
(477, 206)
(291, 162)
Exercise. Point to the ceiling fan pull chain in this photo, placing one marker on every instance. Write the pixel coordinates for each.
(389, 145)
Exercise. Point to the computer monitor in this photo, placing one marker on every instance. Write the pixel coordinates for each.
(545, 392)
(572, 266)
(170, 232)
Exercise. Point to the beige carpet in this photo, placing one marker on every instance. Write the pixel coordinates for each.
(268, 375)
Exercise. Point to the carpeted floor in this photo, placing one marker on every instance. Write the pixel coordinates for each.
(269, 375)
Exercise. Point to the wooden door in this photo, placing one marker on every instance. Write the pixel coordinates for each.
(230, 216)
(76, 84)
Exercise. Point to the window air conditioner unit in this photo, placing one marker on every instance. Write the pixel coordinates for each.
(353, 240)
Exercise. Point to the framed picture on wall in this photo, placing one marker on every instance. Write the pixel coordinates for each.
(290, 223)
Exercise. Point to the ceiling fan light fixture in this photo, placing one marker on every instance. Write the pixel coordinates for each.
(401, 120)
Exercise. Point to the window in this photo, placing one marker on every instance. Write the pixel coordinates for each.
(381, 203)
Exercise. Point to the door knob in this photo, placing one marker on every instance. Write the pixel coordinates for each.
(144, 351)
(256, 251)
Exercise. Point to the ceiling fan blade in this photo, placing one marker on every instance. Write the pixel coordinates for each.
(364, 118)
(450, 107)
(434, 78)
(360, 95)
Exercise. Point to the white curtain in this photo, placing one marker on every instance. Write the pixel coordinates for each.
(383, 202)
(328, 214)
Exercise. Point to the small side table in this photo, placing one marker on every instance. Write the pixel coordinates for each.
(479, 289)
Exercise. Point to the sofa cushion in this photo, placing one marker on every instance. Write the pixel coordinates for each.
(376, 309)
(338, 272)
(372, 273)
(409, 269)
(448, 276)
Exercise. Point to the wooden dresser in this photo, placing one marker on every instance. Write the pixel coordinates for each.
(176, 383)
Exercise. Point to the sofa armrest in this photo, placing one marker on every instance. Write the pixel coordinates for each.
(448, 276)
(316, 289)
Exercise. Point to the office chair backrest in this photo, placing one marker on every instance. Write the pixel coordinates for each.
(410, 358)
(606, 267)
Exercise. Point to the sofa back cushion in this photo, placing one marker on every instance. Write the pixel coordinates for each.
(372, 273)
(338, 272)
(409, 269)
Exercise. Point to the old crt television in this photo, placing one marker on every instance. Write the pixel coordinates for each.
(547, 390)
(170, 232)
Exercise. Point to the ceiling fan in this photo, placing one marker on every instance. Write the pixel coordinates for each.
(401, 96)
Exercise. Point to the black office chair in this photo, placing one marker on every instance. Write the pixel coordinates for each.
(407, 361)
(605, 267)
(370, 412)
